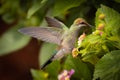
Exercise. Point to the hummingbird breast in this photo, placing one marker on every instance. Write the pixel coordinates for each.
(68, 42)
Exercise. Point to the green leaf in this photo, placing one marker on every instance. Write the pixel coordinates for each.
(33, 21)
(93, 47)
(12, 40)
(9, 10)
(111, 21)
(53, 70)
(8, 18)
(82, 71)
(108, 67)
(47, 50)
(36, 6)
(117, 1)
(61, 6)
(39, 75)
(49, 73)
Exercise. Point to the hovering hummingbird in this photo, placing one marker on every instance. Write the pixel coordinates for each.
(59, 34)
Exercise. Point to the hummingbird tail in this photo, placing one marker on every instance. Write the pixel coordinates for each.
(47, 62)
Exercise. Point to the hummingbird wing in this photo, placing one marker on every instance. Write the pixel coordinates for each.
(52, 22)
(48, 34)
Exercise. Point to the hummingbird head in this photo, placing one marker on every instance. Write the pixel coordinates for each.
(81, 25)
(80, 22)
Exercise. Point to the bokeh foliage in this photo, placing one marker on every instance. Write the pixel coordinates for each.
(98, 53)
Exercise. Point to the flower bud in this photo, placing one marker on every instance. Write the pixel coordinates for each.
(101, 26)
(101, 16)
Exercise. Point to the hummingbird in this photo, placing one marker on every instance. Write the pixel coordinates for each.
(58, 33)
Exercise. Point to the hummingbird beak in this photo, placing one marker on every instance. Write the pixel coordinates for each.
(89, 25)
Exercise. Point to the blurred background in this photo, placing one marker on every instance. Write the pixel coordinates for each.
(20, 53)
(17, 65)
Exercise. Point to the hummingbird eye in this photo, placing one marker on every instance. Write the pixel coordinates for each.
(82, 23)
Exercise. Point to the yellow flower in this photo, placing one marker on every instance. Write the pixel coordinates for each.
(101, 26)
(80, 39)
(101, 16)
(66, 75)
(74, 52)
(98, 32)
(67, 78)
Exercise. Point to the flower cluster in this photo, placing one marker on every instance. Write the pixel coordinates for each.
(65, 74)
(101, 26)
(75, 50)
(80, 39)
